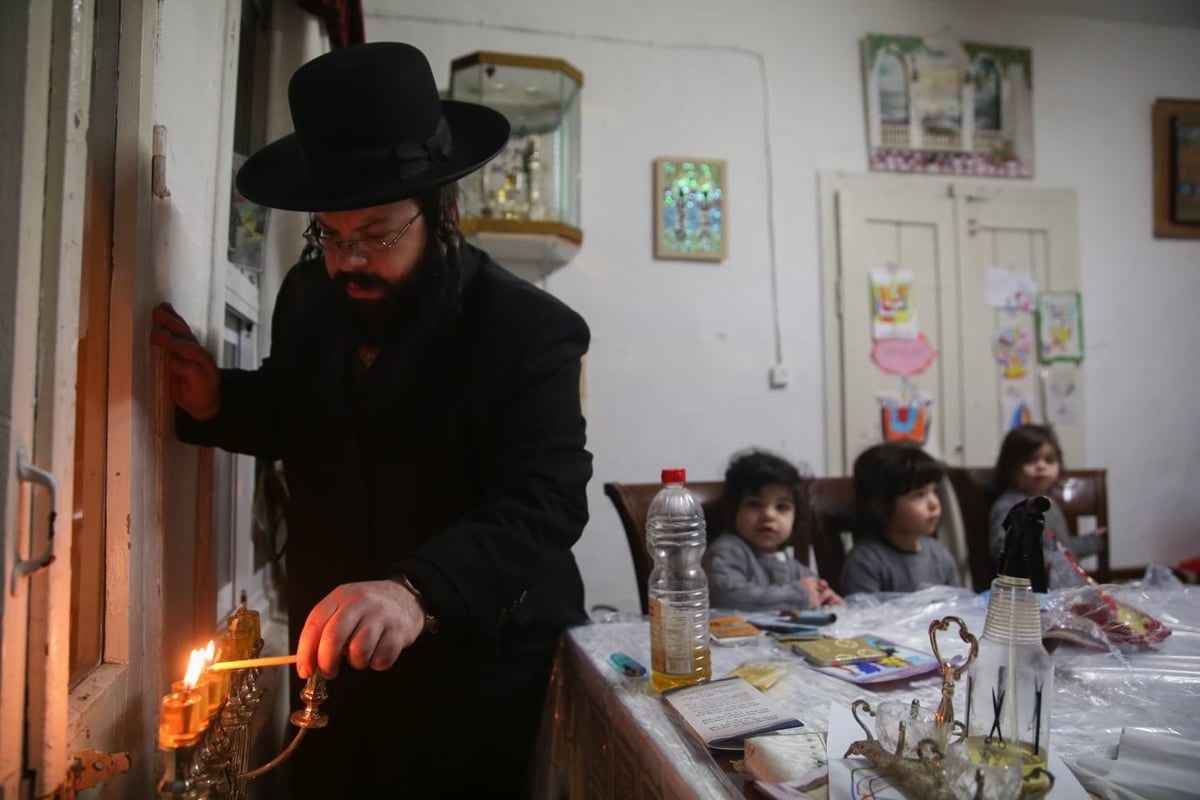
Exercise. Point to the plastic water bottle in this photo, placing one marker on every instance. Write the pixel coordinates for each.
(678, 587)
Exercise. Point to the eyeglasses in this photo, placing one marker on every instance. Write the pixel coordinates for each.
(319, 239)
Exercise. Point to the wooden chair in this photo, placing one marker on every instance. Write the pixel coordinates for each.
(833, 524)
(975, 491)
(1084, 493)
(632, 501)
(1080, 493)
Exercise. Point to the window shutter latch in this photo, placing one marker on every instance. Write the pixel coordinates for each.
(89, 768)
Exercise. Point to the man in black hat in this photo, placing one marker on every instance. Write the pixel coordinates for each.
(425, 404)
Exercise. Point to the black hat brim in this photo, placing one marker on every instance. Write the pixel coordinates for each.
(276, 176)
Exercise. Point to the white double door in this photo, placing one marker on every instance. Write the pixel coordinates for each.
(945, 235)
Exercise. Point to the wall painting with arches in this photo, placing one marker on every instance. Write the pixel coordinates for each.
(948, 107)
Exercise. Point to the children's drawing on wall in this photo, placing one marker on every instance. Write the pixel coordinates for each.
(1010, 289)
(1061, 393)
(1016, 408)
(941, 106)
(689, 209)
(893, 312)
(1059, 327)
(903, 356)
(1013, 348)
(907, 417)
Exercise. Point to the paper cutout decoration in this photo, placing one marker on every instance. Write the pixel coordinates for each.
(903, 356)
(893, 315)
(1013, 348)
(1059, 327)
(1016, 408)
(1006, 288)
(1062, 392)
(905, 421)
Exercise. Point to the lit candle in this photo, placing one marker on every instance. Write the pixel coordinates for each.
(184, 710)
(209, 683)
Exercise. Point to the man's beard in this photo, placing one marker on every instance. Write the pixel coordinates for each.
(413, 302)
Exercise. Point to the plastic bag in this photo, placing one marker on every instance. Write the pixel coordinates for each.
(1093, 617)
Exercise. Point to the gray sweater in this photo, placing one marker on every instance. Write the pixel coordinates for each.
(875, 565)
(1060, 574)
(741, 578)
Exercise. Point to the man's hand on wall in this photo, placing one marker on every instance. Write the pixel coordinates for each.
(195, 380)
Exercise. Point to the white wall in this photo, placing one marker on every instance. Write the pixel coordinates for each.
(187, 102)
(677, 373)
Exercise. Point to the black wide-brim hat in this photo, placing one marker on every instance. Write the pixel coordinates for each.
(370, 129)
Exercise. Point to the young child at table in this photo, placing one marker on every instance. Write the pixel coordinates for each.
(751, 567)
(1030, 464)
(895, 492)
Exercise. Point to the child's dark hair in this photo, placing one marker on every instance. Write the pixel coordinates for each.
(1018, 447)
(885, 472)
(750, 470)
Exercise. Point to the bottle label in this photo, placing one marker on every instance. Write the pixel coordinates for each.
(672, 638)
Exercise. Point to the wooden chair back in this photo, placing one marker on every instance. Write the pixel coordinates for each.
(975, 491)
(1079, 493)
(1084, 493)
(632, 501)
(833, 524)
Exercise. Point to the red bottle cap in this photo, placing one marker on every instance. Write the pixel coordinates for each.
(674, 475)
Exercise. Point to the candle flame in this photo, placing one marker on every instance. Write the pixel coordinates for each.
(209, 653)
(195, 667)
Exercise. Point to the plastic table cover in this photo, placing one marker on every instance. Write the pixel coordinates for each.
(608, 733)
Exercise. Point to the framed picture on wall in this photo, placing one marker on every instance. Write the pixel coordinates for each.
(1059, 327)
(1176, 169)
(948, 107)
(690, 209)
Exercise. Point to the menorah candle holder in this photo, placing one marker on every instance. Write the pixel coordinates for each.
(205, 755)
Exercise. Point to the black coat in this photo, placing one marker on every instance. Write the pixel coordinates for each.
(459, 461)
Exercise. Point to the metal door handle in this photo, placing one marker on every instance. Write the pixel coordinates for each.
(28, 473)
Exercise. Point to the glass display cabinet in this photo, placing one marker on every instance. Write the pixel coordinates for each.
(523, 206)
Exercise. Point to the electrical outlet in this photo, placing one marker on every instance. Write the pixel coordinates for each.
(779, 376)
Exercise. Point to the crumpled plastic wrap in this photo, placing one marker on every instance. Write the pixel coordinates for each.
(1095, 617)
(1097, 693)
(1155, 687)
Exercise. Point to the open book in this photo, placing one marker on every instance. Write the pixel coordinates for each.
(724, 712)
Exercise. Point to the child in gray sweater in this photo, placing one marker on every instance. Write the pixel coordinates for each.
(1029, 464)
(895, 491)
(751, 567)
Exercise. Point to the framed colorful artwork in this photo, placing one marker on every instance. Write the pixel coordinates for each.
(1059, 327)
(1176, 169)
(690, 209)
(943, 106)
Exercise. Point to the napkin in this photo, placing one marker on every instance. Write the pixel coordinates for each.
(1150, 765)
(782, 757)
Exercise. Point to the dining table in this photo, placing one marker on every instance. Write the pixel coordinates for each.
(608, 734)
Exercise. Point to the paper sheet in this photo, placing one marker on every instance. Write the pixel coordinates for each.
(1006, 288)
